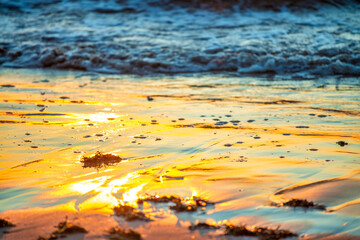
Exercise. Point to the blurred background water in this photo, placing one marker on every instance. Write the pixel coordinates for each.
(300, 39)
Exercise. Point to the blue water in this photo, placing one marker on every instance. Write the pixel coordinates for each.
(303, 39)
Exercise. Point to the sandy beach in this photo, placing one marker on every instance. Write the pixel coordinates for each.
(235, 148)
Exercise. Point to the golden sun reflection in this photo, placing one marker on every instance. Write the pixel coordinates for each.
(88, 185)
(130, 197)
(117, 184)
(100, 117)
(105, 200)
(194, 193)
(101, 192)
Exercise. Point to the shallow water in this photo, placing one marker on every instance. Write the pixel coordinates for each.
(310, 39)
(243, 143)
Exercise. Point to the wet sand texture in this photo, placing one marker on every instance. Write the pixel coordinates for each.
(204, 157)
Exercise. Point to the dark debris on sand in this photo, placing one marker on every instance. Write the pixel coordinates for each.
(263, 233)
(341, 143)
(203, 226)
(190, 205)
(259, 232)
(64, 228)
(181, 205)
(129, 213)
(5, 223)
(69, 228)
(157, 199)
(100, 160)
(302, 203)
(117, 233)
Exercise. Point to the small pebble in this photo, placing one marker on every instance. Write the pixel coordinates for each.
(342, 143)
(7, 85)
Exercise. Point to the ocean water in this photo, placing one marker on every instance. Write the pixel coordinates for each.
(300, 39)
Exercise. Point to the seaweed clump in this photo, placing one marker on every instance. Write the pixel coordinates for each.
(100, 160)
(181, 205)
(263, 233)
(203, 226)
(69, 228)
(303, 203)
(64, 228)
(158, 199)
(190, 204)
(260, 232)
(129, 213)
(5, 223)
(117, 233)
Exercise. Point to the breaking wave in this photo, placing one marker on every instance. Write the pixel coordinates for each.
(301, 38)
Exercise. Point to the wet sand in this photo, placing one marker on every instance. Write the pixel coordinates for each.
(247, 144)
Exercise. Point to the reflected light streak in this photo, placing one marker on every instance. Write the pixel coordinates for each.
(104, 189)
(99, 117)
(130, 197)
(194, 193)
(105, 200)
(117, 184)
(88, 185)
